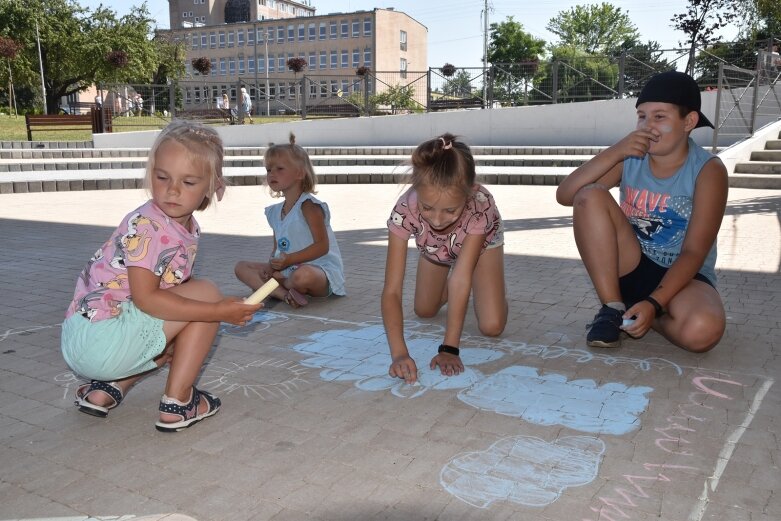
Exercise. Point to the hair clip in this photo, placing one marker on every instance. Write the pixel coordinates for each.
(446, 145)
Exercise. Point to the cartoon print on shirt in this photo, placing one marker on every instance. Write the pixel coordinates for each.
(397, 218)
(165, 267)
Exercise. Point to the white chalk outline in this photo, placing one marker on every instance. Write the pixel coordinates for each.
(726, 453)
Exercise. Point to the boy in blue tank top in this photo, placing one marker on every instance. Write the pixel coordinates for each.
(652, 255)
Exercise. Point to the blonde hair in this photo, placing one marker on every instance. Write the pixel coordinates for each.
(443, 162)
(299, 158)
(204, 150)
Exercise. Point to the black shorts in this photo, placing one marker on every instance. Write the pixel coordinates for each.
(644, 279)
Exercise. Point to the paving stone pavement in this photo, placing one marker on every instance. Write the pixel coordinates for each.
(539, 427)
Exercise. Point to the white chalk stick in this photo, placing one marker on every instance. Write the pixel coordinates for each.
(262, 292)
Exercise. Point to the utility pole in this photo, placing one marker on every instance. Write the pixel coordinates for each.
(255, 39)
(40, 63)
(485, 53)
(268, 100)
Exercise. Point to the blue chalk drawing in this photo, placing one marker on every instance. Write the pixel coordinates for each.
(523, 469)
(261, 321)
(362, 356)
(550, 399)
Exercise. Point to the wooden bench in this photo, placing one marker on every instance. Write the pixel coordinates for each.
(342, 109)
(58, 122)
(456, 103)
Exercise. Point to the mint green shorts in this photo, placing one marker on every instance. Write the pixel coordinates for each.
(114, 348)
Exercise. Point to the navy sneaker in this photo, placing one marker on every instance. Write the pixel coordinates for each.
(605, 328)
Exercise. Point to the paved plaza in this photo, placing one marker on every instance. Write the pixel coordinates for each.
(538, 427)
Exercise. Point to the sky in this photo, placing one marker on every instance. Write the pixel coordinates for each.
(455, 28)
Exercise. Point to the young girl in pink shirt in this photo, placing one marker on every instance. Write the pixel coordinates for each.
(137, 306)
(459, 234)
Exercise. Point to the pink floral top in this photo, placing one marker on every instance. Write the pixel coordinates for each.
(480, 217)
(146, 238)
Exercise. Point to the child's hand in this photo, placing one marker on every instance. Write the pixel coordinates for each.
(234, 311)
(449, 364)
(637, 143)
(644, 314)
(279, 263)
(404, 367)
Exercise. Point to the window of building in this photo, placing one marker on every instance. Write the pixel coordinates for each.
(240, 38)
(345, 59)
(231, 38)
(367, 57)
(241, 65)
(271, 63)
(356, 58)
(195, 41)
(403, 40)
(356, 28)
(281, 63)
(232, 66)
(345, 87)
(223, 67)
(188, 96)
(334, 59)
(250, 37)
(280, 34)
(222, 38)
(204, 40)
(334, 33)
(313, 90)
(250, 64)
(345, 29)
(269, 35)
(324, 89)
(312, 61)
(334, 87)
(272, 90)
(196, 94)
(213, 63)
(367, 26)
(323, 59)
(291, 33)
(312, 32)
(261, 63)
(403, 67)
(212, 39)
(301, 32)
(322, 31)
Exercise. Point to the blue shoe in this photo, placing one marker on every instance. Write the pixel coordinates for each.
(605, 328)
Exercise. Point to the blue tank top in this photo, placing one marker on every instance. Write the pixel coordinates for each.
(292, 234)
(660, 209)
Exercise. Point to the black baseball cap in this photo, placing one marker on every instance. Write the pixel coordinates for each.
(677, 88)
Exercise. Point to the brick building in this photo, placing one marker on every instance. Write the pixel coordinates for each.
(249, 42)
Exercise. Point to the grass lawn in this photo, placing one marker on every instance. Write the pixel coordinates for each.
(13, 128)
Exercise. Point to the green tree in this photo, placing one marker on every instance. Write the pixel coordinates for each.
(596, 29)
(460, 85)
(514, 55)
(701, 22)
(75, 43)
(398, 97)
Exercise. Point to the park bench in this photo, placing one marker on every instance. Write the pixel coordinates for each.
(455, 103)
(343, 109)
(36, 122)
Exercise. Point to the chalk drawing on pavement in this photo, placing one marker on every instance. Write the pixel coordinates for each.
(523, 469)
(551, 399)
(267, 378)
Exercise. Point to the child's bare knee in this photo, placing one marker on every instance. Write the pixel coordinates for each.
(590, 194)
(209, 291)
(702, 333)
(491, 327)
(425, 312)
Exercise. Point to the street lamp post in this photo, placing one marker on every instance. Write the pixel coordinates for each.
(268, 101)
(255, 39)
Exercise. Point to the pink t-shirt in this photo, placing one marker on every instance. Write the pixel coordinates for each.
(480, 217)
(147, 238)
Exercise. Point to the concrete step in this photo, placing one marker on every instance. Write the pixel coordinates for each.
(766, 182)
(759, 167)
(773, 144)
(766, 155)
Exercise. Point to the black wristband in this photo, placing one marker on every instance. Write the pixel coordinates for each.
(658, 309)
(444, 348)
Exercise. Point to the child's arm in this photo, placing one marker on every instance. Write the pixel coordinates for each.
(315, 218)
(459, 286)
(402, 365)
(605, 168)
(167, 305)
(710, 200)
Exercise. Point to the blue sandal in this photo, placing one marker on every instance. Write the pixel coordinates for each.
(110, 388)
(188, 412)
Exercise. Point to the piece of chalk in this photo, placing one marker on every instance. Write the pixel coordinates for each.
(262, 292)
(628, 322)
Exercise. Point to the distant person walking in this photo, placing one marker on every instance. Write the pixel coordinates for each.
(246, 103)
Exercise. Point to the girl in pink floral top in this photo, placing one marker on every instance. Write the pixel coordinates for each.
(459, 234)
(136, 306)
